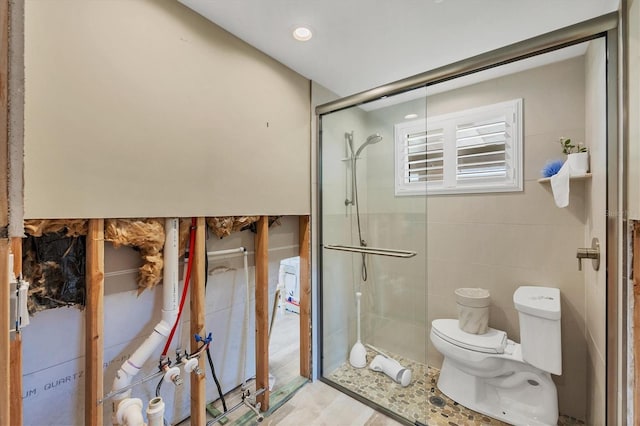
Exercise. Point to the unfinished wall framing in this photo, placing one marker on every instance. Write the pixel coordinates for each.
(96, 232)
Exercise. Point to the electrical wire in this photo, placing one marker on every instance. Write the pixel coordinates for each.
(213, 370)
(215, 379)
(198, 351)
(192, 240)
(159, 386)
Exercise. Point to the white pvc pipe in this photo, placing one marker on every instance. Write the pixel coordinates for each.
(170, 279)
(229, 251)
(245, 328)
(178, 333)
(246, 320)
(132, 366)
(155, 412)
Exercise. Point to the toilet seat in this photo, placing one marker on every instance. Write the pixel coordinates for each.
(492, 342)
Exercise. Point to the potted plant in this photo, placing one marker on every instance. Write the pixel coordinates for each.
(577, 156)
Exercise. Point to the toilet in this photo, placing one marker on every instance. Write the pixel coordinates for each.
(493, 375)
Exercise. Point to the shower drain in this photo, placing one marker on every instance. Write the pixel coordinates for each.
(437, 401)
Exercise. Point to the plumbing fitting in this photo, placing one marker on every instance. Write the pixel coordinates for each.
(191, 365)
(132, 366)
(155, 412)
(255, 408)
(242, 403)
(173, 374)
(130, 412)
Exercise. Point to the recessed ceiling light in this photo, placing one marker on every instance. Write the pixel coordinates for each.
(410, 116)
(302, 34)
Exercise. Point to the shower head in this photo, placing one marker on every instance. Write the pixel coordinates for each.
(375, 138)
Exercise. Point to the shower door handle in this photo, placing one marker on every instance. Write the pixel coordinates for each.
(371, 250)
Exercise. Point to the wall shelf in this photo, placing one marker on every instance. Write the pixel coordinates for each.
(579, 177)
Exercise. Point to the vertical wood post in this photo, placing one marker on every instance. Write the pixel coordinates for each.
(4, 333)
(198, 303)
(305, 297)
(16, 348)
(94, 317)
(4, 217)
(636, 321)
(262, 310)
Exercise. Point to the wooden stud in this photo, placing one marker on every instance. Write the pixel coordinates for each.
(15, 412)
(198, 304)
(15, 401)
(636, 321)
(262, 310)
(94, 334)
(5, 291)
(4, 333)
(305, 297)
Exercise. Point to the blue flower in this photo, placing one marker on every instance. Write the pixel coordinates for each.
(551, 168)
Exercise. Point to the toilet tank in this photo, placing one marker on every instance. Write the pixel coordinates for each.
(540, 338)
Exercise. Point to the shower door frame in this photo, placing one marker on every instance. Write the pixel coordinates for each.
(606, 26)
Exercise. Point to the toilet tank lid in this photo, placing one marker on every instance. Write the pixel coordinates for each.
(543, 302)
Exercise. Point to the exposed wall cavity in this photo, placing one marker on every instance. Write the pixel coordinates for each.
(54, 253)
(54, 264)
(223, 226)
(145, 235)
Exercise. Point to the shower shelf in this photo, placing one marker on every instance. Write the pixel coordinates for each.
(579, 177)
(372, 250)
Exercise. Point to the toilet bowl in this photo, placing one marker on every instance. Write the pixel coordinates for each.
(493, 375)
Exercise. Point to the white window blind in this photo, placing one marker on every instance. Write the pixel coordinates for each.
(476, 150)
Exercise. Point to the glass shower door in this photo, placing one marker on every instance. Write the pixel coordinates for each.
(373, 256)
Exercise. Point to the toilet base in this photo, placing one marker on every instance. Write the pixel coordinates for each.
(526, 397)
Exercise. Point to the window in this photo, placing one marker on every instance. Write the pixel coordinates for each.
(476, 150)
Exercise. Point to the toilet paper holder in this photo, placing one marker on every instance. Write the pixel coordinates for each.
(592, 253)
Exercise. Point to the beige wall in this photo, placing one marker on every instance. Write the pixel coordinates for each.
(143, 108)
(503, 241)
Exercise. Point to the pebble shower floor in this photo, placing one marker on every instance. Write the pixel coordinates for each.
(421, 400)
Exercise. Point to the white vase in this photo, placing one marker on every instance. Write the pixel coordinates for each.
(579, 163)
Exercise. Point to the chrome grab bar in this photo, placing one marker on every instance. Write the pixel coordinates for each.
(372, 250)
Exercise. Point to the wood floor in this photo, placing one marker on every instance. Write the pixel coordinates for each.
(318, 404)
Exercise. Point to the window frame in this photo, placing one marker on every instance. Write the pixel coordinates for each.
(514, 147)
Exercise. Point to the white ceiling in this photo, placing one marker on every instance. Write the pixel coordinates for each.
(361, 44)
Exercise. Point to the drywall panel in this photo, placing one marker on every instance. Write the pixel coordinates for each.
(143, 108)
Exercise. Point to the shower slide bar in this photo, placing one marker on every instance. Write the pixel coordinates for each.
(372, 250)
